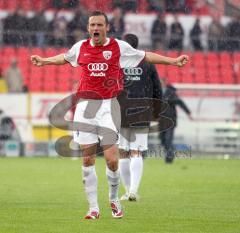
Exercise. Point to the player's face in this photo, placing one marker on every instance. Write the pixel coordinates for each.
(98, 29)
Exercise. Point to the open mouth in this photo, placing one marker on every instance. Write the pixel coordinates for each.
(96, 34)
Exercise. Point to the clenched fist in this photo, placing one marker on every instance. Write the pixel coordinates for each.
(37, 60)
(182, 60)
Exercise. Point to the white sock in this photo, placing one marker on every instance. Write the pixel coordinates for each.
(113, 182)
(136, 169)
(124, 168)
(90, 186)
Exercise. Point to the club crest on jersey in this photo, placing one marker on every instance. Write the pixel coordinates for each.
(107, 54)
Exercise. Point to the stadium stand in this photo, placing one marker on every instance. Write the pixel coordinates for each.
(204, 68)
(222, 67)
(104, 5)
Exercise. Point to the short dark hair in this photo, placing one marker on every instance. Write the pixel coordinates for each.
(98, 13)
(131, 39)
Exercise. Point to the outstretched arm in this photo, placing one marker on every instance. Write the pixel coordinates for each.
(159, 59)
(56, 60)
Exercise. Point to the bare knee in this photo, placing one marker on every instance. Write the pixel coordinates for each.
(112, 164)
(123, 154)
(89, 154)
(135, 153)
(111, 156)
(88, 161)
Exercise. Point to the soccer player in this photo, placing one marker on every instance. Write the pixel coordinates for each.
(100, 60)
(140, 82)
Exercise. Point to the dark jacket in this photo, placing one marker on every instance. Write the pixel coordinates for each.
(142, 83)
(170, 96)
(8, 130)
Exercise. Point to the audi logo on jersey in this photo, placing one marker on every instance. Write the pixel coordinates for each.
(97, 66)
(133, 71)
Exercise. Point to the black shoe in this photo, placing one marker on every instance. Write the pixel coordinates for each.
(169, 160)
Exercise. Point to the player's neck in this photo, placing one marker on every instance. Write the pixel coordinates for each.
(104, 43)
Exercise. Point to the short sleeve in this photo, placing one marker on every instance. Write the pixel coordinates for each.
(72, 54)
(129, 57)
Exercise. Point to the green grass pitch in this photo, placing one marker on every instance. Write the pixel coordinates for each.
(45, 195)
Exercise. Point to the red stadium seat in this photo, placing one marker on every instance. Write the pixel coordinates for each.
(198, 59)
(200, 70)
(23, 52)
(50, 72)
(200, 77)
(9, 52)
(36, 71)
(212, 59)
(187, 73)
(198, 56)
(62, 50)
(24, 61)
(213, 56)
(171, 53)
(64, 76)
(237, 77)
(225, 57)
(26, 5)
(227, 77)
(161, 69)
(36, 81)
(65, 86)
(161, 52)
(173, 74)
(49, 86)
(236, 57)
(12, 5)
(187, 77)
(2, 4)
(37, 51)
(41, 4)
(35, 87)
(214, 76)
(49, 52)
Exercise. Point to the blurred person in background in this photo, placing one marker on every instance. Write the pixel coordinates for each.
(130, 6)
(178, 6)
(14, 78)
(216, 35)
(38, 28)
(156, 5)
(233, 34)
(60, 31)
(195, 35)
(167, 136)
(141, 82)
(64, 4)
(15, 27)
(77, 29)
(176, 35)
(117, 25)
(158, 32)
(8, 129)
